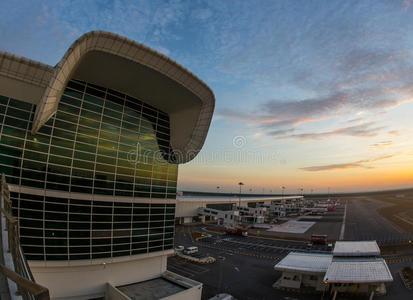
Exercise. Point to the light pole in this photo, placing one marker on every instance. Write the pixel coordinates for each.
(283, 188)
(240, 185)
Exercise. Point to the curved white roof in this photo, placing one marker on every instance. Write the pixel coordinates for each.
(358, 270)
(122, 64)
(356, 248)
(305, 262)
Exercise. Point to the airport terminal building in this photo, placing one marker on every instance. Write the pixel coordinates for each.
(90, 149)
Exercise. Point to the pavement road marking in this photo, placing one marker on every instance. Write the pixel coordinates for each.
(403, 219)
(343, 225)
(186, 269)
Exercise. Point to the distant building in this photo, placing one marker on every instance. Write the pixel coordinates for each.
(353, 267)
(188, 208)
(90, 149)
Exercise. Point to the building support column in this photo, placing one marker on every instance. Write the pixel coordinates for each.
(371, 295)
(335, 295)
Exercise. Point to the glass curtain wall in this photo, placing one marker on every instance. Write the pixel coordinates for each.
(99, 142)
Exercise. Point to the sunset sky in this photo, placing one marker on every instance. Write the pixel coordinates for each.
(309, 94)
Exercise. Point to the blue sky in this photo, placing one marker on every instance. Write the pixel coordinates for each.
(315, 93)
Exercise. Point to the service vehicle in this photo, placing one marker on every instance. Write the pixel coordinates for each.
(191, 250)
(237, 231)
(320, 239)
(179, 248)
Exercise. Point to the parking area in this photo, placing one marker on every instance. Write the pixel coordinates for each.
(245, 277)
(186, 268)
(274, 248)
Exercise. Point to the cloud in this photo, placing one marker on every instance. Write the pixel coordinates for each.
(281, 132)
(202, 14)
(347, 67)
(236, 115)
(354, 120)
(344, 60)
(381, 144)
(46, 29)
(344, 166)
(362, 130)
(163, 50)
(281, 112)
(279, 118)
(362, 59)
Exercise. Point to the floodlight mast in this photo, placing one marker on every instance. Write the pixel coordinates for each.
(240, 185)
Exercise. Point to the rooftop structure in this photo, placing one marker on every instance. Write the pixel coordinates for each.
(305, 262)
(169, 284)
(358, 270)
(357, 248)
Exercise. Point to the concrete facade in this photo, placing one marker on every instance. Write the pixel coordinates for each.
(84, 279)
(297, 280)
(303, 271)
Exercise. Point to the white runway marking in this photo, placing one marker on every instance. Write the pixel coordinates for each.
(343, 225)
(185, 268)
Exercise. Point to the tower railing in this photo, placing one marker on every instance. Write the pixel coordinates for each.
(20, 272)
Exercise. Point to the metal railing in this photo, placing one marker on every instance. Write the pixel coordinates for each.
(27, 288)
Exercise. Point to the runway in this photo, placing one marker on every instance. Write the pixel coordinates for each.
(363, 222)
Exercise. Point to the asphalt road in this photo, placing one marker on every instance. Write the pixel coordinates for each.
(364, 223)
(253, 245)
(397, 290)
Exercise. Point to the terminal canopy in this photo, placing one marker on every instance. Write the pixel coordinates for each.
(358, 270)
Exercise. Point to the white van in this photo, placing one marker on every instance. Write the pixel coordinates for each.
(191, 250)
(179, 248)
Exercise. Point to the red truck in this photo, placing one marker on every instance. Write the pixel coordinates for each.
(320, 239)
(237, 231)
